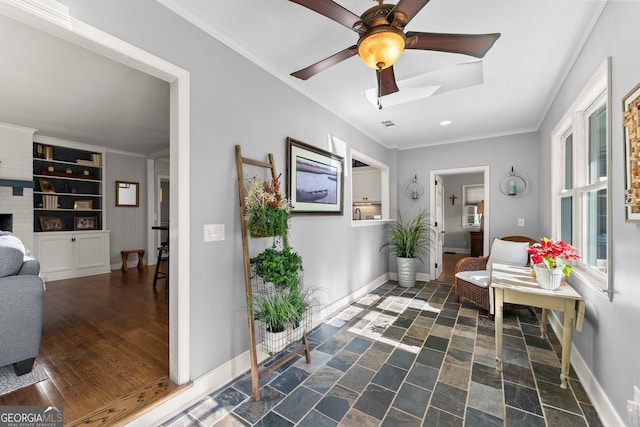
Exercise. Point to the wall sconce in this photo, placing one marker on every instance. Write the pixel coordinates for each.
(453, 198)
(414, 190)
(513, 184)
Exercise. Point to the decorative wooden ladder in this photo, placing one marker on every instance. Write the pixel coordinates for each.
(257, 373)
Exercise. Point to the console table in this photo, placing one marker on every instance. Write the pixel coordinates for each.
(510, 284)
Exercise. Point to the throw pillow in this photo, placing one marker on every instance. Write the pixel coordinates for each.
(507, 252)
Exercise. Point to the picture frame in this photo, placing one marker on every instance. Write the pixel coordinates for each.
(127, 194)
(315, 179)
(47, 185)
(83, 205)
(81, 223)
(631, 122)
(52, 223)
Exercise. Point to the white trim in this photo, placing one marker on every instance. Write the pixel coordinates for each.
(151, 195)
(603, 406)
(432, 202)
(53, 17)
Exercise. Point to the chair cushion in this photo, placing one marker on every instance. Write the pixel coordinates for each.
(478, 278)
(509, 253)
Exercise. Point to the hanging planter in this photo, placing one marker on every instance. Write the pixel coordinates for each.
(267, 211)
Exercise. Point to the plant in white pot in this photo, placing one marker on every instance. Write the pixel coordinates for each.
(276, 311)
(409, 241)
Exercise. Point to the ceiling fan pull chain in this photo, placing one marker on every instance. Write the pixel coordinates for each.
(379, 78)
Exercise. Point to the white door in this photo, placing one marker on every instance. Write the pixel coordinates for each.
(439, 226)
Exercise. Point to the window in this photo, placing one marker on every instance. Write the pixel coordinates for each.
(580, 155)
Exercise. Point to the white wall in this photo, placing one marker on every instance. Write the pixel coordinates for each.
(609, 342)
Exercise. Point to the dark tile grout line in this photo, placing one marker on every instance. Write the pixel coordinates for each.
(317, 339)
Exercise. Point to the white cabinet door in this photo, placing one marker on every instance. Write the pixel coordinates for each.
(374, 191)
(54, 251)
(359, 187)
(91, 251)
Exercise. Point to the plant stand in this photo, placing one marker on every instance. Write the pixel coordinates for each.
(257, 373)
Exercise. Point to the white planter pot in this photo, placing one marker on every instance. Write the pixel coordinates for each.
(548, 279)
(407, 268)
(295, 333)
(275, 342)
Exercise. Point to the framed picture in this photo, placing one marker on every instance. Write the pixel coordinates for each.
(52, 223)
(314, 179)
(83, 205)
(46, 185)
(85, 223)
(631, 120)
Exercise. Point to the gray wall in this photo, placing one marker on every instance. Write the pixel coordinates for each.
(235, 102)
(456, 236)
(128, 225)
(499, 153)
(609, 341)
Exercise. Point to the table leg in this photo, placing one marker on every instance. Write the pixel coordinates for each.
(567, 333)
(543, 325)
(499, 303)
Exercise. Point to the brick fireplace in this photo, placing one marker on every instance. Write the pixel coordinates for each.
(16, 166)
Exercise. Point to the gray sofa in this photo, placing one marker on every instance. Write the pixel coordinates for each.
(21, 292)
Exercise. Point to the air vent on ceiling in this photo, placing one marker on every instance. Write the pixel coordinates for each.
(388, 124)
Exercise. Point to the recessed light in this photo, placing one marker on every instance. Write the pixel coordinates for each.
(445, 123)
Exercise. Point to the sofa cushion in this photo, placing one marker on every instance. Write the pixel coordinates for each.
(10, 261)
(509, 253)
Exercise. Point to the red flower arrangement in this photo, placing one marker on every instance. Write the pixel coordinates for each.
(553, 254)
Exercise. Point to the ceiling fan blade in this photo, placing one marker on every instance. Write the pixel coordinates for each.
(405, 10)
(322, 65)
(334, 11)
(468, 44)
(387, 82)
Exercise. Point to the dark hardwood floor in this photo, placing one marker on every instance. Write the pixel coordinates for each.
(104, 339)
(449, 261)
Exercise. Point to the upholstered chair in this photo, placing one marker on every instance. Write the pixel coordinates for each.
(472, 273)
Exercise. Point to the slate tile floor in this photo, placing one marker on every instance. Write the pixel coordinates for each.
(409, 357)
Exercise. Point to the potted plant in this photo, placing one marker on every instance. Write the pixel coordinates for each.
(549, 259)
(267, 210)
(276, 311)
(300, 301)
(279, 266)
(409, 241)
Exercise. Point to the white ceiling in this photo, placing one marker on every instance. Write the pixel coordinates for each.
(68, 92)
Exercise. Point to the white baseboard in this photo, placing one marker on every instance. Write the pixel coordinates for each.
(598, 397)
(223, 374)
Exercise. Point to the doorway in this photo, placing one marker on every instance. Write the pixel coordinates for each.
(53, 18)
(446, 186)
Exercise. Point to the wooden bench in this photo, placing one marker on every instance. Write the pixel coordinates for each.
(125, 255)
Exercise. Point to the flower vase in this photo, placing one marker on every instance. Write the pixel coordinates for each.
(549, 279)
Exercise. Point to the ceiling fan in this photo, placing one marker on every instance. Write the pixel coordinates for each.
(382, 39)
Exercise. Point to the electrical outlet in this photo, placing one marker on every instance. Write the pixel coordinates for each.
(520, 222)
(213, 232)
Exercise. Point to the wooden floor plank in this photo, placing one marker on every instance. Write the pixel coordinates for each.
(105, 339)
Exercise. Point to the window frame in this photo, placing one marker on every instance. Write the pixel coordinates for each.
(575, 122)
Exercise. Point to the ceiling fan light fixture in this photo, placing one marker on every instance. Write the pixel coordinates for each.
(381, 47)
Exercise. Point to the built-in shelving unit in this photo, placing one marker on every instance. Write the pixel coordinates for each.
(68, 185)
(68, 212)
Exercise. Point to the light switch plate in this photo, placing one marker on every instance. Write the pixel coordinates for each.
(520, 222)
(213, 232)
